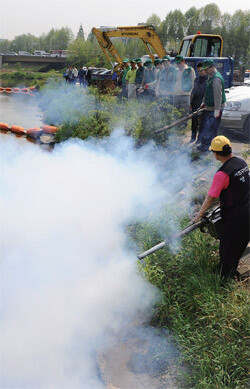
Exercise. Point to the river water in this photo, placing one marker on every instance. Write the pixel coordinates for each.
(20, 110)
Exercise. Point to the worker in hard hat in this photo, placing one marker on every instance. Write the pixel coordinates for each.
(231, 185)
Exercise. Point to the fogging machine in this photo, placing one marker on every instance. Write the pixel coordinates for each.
(210, 223)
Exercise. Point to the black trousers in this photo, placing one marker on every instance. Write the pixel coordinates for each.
(234, 238)
(196, 122)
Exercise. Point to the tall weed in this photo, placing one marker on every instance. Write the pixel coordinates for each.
(210, 323)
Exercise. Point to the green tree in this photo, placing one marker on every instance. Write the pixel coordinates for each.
(134, 48)
(80, 33)
(225, 31)
(56, 39)
(173, 27)
(210, 17)
(4, 45)
(91, 36)
(119, 45)
(154, 20)
(86, 53)
(239, 34)
(193, 21)
(25, 42)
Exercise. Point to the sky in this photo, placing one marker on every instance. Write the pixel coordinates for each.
(37, 17)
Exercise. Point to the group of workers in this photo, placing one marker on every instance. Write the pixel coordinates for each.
(179, 86)
(72, 75)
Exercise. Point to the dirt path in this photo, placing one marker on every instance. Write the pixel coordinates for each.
(140, 359)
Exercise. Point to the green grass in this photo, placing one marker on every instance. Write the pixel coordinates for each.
(209, 322)
(246, 154)
(27, 77)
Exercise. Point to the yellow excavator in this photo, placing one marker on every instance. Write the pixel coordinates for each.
(197, 45)
(147, 34)
(194, 48)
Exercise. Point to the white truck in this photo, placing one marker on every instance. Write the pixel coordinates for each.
(23, 53)
(42, 53)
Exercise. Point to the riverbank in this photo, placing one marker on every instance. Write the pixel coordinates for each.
(208, 323)
(25, 77)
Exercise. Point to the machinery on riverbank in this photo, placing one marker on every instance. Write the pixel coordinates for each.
(194, 48)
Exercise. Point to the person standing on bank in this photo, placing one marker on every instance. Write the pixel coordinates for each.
(126, 68)
(165, 85)
(139, 76)
(130, 80)
(184, 82)
(231, 185)
(81, 76)
(196, 99)
(214, 102)
(88, 76)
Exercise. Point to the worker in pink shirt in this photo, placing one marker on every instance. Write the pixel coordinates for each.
(231, 185)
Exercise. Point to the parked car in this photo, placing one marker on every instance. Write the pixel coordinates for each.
(247, 77)
(9, 53)
(236, 114)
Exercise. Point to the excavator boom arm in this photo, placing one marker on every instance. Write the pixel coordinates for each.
(147, 34)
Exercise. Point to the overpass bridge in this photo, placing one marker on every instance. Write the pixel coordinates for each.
(51, 62)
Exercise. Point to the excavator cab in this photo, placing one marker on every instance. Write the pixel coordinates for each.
(201, 45)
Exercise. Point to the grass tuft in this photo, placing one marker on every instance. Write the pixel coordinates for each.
(210, 323)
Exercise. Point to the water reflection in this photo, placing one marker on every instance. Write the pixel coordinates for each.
(20, 110)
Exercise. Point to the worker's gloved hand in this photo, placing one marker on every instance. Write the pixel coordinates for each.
(217, 113)
(202, 106)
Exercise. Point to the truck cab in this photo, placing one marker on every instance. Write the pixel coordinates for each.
(196, 48)
(201, 45)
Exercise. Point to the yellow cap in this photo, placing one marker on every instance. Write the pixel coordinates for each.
(218, 142)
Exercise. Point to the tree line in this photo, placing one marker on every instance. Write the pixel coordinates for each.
(234, 29)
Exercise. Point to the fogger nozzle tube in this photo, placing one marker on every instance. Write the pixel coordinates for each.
(191, 227)
(182, 120)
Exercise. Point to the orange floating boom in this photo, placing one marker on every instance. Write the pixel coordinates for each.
(18, 130)
(4, 126)
(49, 129)
(34, 132)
